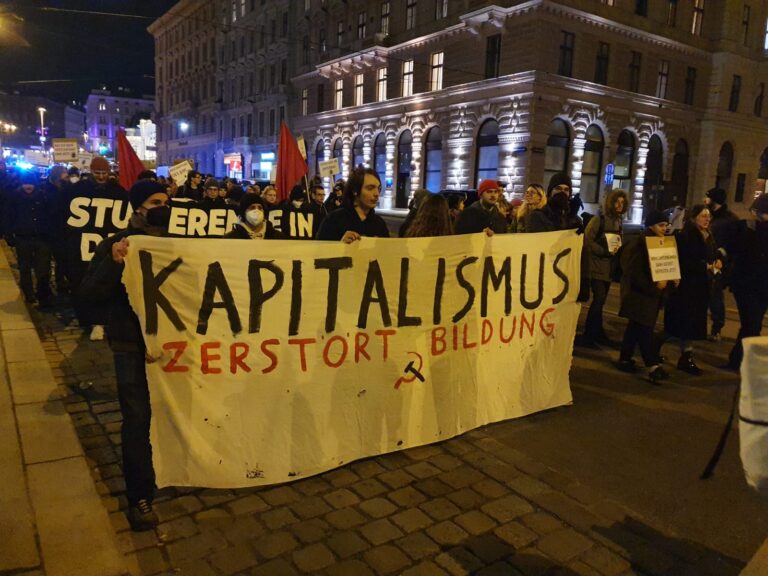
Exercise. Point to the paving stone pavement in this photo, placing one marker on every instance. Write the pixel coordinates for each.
(470, 505)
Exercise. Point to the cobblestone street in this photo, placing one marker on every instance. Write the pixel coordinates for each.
(470, 505)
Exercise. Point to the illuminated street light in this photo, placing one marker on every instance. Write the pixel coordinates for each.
(184, 126)
(42, 124)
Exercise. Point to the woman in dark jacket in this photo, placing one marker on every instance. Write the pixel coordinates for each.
(640, 301)
(685, 313)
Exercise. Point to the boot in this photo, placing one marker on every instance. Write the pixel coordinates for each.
(686, 364)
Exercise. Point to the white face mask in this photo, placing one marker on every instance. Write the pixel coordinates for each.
(297, 203)
(74, 179)
(254, 217)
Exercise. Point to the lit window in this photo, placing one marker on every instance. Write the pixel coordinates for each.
(663, 79)
(339, 94)
(358, 89)
(436, 71)
(410, 14)
(407, 78)
(304, 102)
(381, 84)
(671, 12)
(441, 9)
(384, 27)
(765, 41)
(361, 20)
(607, 2)
(698, 17)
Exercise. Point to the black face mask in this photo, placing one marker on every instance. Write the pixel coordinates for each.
(159, 216)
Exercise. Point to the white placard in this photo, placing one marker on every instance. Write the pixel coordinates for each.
(65, 150)
(36, 157)
(329, 167)
(179, 172)
(662, 254)
(83, 162)
(614, 242)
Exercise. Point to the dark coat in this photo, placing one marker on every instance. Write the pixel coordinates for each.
(685, 311)
(476, 219)
(30, 215)
(102, 285)
(345, 218)
(749, 253)
(595, 244)
(640, 297)
(537, 221)
(239, 232)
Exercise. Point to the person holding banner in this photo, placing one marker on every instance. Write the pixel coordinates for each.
(357, 217)
(252, 221)
(641, 299)
(149, 201)
(483, 215)
(685, 311)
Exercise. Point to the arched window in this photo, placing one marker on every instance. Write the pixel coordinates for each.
(625, 159)
(557, 151)
(654, 174)
(433, 160)
(380, 157)
(679, 180)
(404, 155)
(762, 173)
(487, 164)
(725, 167)
(593, 164)
(337, 153)
(358, 159)
(319, 156)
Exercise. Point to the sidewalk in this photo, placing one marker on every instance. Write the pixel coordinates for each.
(470, 505)
(52, 521)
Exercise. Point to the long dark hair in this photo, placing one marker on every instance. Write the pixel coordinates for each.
(432, 218)
(355, 185)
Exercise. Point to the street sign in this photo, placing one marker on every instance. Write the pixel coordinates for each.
(609, 170)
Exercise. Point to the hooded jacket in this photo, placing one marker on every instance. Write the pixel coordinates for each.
(595, 242)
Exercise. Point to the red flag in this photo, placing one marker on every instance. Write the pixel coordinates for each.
(130, 165)
(291, 166)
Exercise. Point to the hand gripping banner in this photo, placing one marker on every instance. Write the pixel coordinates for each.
(277, 360)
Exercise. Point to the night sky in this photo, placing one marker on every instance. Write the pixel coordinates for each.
(86, 50)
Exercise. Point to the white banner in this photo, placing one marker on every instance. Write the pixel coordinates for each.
(279, 360)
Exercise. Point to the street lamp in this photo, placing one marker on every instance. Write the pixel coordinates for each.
(5, 128)
(42, 125)
(183, 126)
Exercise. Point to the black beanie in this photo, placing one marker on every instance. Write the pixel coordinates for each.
(142, 190)
(297, 193)
(717, 195)
(249, 199)
(558, 178)
(655, 217)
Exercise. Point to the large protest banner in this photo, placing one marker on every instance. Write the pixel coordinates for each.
(93, 218)
(277, 360)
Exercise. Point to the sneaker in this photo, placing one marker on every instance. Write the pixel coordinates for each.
(686, 364)
(97, 333)
(141, 517)
(657, 375)
(627, 366)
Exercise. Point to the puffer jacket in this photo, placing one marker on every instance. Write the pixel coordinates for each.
(594, 239)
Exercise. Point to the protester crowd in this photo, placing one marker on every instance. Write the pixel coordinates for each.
(716, 251)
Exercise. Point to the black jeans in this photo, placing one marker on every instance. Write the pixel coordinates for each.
(717, 304)
(639, 334)
(133, 393)
(593, 327)
(33, 253)
(752, 308)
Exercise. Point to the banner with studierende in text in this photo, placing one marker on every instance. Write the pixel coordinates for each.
(277, 360)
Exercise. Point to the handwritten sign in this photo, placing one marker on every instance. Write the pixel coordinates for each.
(613, 241)
(278, 360)
(662, 254)
(65, 150)
(179, 172)
(83, 161)
(329, 167)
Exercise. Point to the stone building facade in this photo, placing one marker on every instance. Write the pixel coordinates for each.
(106, 111)
(223, 70)
(663, 98)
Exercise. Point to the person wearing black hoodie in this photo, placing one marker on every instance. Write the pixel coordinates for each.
(723, 225)
(193, 187)
(102, 284)
(57, 188)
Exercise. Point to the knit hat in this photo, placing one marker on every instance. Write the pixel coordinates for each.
(297, 193)
(248, 200)
(717, 195)
(486, 185)
(655, 217)
(29, 177)
(760, 205)
(142, 190)
(212, 183)
(558, 179)
(100, 163)
(55, 174)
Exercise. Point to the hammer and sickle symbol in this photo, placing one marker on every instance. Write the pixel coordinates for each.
(410, 372)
